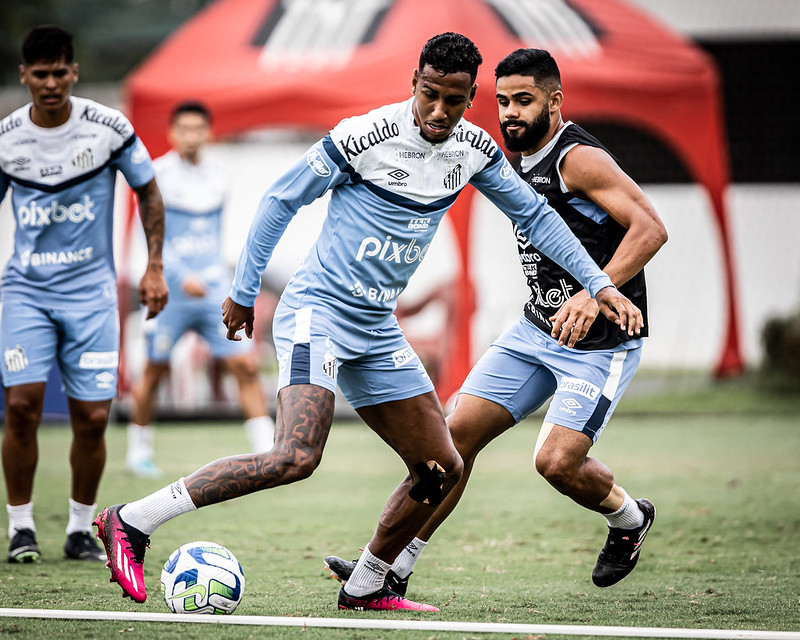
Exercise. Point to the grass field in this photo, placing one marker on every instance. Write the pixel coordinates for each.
(723, 552)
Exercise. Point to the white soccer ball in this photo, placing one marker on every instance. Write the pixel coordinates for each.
(202, 577)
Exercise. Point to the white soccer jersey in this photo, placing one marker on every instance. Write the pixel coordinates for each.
(194, 196)
(62, 182)
(389, 191)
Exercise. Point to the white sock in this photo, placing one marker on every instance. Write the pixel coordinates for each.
(404, 563)
(368, 576)
(149, 513)
(261, 433)
(20, 516)
(140, 444)
(628, 516)
(80, 516)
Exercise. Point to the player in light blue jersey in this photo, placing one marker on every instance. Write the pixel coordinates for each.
(194, 190)
(586, 368)
(392, 174)
(60, 156)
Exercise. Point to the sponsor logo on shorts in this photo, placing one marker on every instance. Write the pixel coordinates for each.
(403, 356)
(99, 360)
(15, 359)
(105, 380)
(318, 164)
(570, 406)
(579, 386)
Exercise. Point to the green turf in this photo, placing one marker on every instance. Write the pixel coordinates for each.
(722, 554)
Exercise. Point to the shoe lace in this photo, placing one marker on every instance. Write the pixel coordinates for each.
(619, 545)
(138, 542)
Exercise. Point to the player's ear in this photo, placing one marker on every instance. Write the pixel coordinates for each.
(556, 99)
(22, 79)
(414, 80)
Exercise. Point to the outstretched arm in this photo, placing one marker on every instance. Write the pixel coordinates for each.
(152, 287)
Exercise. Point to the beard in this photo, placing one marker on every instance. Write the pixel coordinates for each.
(531, 134)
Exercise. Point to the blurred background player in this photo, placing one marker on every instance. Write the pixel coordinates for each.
(194, 190)
(589, 365)
(60, 156)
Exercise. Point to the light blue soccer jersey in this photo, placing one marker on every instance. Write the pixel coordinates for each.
(389, 191)
(194, 196)
(62, 181)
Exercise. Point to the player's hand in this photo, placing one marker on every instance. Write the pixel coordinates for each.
(193, 287)
(236, 317)
(572, 321)
(621, 311)
(153, 292)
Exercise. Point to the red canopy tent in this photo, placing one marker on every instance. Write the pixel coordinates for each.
(261, 63)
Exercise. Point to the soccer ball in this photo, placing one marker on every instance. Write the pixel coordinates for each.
(202, 577)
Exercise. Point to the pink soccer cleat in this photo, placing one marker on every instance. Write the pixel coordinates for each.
(382, 600)
(125, 547)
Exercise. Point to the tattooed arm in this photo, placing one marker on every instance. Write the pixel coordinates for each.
(153, 286)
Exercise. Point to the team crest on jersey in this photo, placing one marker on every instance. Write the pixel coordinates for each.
(15, 359)
(318, 164)
(83, 158)
(453, 178)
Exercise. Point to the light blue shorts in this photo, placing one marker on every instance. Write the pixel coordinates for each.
(525, 366)
(371, 366)
(202, 316)
(84, 343)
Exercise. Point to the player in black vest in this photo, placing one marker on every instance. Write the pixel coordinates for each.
(560, 347)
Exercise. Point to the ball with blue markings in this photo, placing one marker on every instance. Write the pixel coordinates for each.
(202, 577)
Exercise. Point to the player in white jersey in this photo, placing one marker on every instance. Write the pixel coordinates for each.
(587, 368)
(392, 174)
(194, 190)
(60, 156)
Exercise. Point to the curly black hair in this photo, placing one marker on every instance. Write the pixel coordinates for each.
(451, 53)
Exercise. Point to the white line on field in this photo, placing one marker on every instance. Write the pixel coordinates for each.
(418, 625)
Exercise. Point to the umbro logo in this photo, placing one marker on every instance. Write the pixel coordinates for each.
(398, 177)
(21, 161)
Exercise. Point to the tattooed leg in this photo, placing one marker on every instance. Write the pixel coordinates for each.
(304, 417)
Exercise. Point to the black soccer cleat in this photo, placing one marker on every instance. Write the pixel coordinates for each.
(81, 545)
(621, 550)
(23, 547)
(342, 569)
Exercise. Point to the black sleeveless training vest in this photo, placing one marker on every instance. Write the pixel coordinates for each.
(599, 233)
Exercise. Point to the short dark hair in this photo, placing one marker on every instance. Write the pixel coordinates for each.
(451, 53)
(47, 43)
(190, 106)
(537, 63)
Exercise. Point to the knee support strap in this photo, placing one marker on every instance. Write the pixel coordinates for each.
(428, 489)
